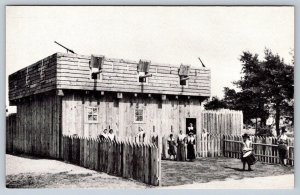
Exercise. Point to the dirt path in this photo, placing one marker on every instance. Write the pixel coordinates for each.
(271, 182)
(204, 173)
(26, 172)
(205, 170)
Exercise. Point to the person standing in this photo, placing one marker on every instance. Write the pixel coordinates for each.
(191, 146)
(283, 147)
(172, 147)
(204, 133)
(103, 135)
(141, 135)
(247, 154)
(154, 137)
(181, 142)
(111, 135)
(191, 128)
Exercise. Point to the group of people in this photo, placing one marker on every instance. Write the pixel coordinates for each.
(177, 148)
(184, 147)
(248, 155)
(107, 135)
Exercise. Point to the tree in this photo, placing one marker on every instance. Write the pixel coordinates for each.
(270, 81)
(265, 83)
(278, 83)
(215, 104)
(246, 101)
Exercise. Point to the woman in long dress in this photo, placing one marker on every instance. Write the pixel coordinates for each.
(283, 147)
(191, 146)
(181, 141)
(172, 147)
(141, 136)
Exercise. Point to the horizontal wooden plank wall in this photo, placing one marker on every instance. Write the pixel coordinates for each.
(38, 128)
(128, 159)
(119, 75)
(10, 131)
(162, 117)
(222, 121)
(264, 148)
(41, 77)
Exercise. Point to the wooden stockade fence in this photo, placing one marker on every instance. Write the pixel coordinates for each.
(214, 145)
(222, 121)
(210, 145)
(264, 148)
(127, 159)
(10, 129)
(147, 140)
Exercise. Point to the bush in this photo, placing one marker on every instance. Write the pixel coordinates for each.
(264, 131)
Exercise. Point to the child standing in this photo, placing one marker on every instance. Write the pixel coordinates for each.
(247, 148)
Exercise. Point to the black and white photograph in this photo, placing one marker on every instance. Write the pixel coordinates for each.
(150, 97)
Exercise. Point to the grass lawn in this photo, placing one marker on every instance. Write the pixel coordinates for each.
(215, 169)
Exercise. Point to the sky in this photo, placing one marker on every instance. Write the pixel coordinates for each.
(172, 35)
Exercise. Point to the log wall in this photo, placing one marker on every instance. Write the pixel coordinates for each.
(118, 114)
(41, 77)
(162, 117)
(38, 129)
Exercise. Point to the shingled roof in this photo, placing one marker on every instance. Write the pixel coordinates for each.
(73, 72)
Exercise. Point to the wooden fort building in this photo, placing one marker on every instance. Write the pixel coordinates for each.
(70, 94)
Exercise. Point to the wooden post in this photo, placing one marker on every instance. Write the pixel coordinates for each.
(119, 95)
(159, 159)
(60, 92)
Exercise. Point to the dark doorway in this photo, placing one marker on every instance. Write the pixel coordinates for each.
(193, 122)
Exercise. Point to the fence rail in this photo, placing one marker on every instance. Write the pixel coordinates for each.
(264, 148)
(128, 159)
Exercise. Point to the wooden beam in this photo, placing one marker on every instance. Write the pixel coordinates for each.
(82, 98)
(120, 95)
(97, 72)
(60, 92)
(144, 76)
(184, 78)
